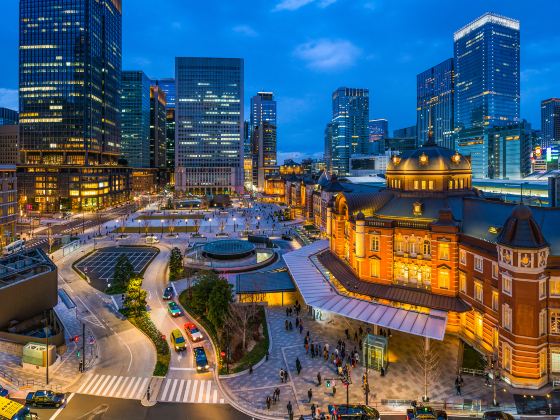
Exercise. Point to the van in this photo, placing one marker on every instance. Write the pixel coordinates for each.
(152, 239)
(177, 340)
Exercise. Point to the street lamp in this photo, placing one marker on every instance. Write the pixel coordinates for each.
(162, 227)
(139, 222)
(258, 222)
(210, 224)
(234, 224)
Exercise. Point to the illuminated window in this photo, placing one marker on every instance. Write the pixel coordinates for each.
(479, 264)
(443, 249)
(431, 185)
(495, 301)
(543, 361)
(478, 291)
(506, 356)
(479, 325)
(554, 286)
(554, 322)
(423, 185)
(555, 360)
(494, 270)
(444, 278)
(415, 184)
(506, 284)
(542, 322)
(375, 268)
(542, 289)
(463, 256)
(427, 247)
(463, 282)
(375, 243)
(507, 317)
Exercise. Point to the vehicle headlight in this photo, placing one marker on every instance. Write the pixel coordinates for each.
(206, 367)
(198, 367)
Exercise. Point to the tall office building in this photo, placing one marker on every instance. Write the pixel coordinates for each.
(550, 122)
(135, 118)
(158, 133)
(8, 116)
(350, 133)
(167, 85)
(434, 104)
(263, 137)
(378, 130)
(9, 144)
(405, 132)
(209, 125)
(69, 78)
(486, 60)
(327, 156)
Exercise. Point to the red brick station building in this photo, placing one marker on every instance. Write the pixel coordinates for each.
(429, 255)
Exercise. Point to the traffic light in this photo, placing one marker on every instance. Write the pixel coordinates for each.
(78, 354)
(76, 339)
(328, 382)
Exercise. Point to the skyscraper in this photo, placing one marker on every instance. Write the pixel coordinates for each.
(349, 126)
(167, 85)
(378, 132)
(487, 75)
(327, 156)
(434, 104)
(209, 125)
(158, 132)
(69, 77)
(263, 137)
(8, 116)
(135, 118)
(550, 122)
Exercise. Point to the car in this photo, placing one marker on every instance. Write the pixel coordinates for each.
(174, 309)
(424, 412)
(177, 340)
(287, 237)
(168, 293)
(43, 398)
(496, 415)
(193, 332)
(4, 392)
(200, 359)
(353, 411)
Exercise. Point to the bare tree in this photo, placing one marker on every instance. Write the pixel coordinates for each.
(146, 225)
(239, 319)
(171, 224)
(427, 360)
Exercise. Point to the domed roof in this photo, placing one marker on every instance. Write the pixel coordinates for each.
(521, 230)
(429, 158)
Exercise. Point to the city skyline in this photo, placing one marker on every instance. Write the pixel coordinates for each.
(306, 59)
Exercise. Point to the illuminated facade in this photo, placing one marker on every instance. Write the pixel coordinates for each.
(158, 132)
(8, 116)
(168, 87)
(263, 138)
(434, 104)
(69, 78)
(428, 242)
(209, 125)
(378, 132)
(8, 204)
(550, 122)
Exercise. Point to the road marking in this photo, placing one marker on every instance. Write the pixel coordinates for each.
(177, 368)
(124, 386)
(57, 412)
(215, 398)
(109, 384)
(113, 388)
(141, 391)
(86, 379)
(135, 388)
(193, 395)
(98, 383)
(186, 394)
(172, 392)
(208, 391)
(180, 390)
(201, 391)
(165, 389)
(174, 289)
(125, 393)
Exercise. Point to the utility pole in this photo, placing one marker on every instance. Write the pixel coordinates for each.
(83, 346)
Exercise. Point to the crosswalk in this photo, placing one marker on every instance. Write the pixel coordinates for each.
(189, 390)
(129, 387)
(134, 388)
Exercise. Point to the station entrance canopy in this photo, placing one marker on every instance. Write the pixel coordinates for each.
(318, 292)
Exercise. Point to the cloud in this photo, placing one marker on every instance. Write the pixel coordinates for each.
(292, 5)
(9, 98)
(245, 30)
(327, 54)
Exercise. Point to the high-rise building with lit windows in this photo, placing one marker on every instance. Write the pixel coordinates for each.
(167, 85)
(378, 131)
(487, 79)
(8, 116)
(550, 122)
(69, 78)
(158, 127)
(434, 104)
(263, 138)
(209, 125)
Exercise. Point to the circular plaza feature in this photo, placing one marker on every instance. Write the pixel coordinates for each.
(228, 249)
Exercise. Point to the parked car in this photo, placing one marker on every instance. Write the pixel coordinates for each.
(177, 340)
(193, 332)
(4, 392)
(496, 415)
(13, 410)
(353, 411)
(45, 398)
(200, 359)
(168, 293)
(174, 309)
(423, 412)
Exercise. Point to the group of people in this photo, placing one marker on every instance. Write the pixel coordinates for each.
(273, 399)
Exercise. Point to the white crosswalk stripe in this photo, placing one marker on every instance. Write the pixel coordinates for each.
(114, 386)
(189, 390)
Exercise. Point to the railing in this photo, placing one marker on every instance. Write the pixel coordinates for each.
(473, 372)
(28, 382)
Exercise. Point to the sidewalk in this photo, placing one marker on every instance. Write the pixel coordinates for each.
(403, 380)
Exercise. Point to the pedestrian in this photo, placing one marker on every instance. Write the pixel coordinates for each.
(291, 326)
(290, 410)
(356, 336)
(312, 350)
(322, 417)
(306, 348)
(300, 327)
(277, 394)
(310, 394)
(282, 375)
(327, 347)
(347, 334)
(458, 387)
(313, 411)
(297, 322)
(267, 355)
(307, 334)
(287, 325)
(250, 369)
(268, 401)
(334, 390)
(318, 378)
(287, 312)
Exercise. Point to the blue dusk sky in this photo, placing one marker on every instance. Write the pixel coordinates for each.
(304, 49)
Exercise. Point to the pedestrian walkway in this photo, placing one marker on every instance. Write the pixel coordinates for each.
(191, 391)
(127, 387)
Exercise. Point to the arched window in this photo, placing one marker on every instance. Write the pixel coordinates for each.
(427, 247)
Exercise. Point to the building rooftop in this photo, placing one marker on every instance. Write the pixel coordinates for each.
(24, 265)
(264, 282)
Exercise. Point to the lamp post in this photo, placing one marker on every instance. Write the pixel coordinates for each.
(210, 224)
(258, 222)
(162, 227)
(139, 223)
(234, 224)
(46, 329)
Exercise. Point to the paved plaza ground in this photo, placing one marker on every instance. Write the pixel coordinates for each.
(402, 381)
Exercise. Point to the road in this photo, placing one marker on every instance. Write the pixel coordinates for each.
(87, 407)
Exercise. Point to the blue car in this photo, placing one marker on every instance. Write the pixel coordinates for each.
(4, 392)
(200, 359)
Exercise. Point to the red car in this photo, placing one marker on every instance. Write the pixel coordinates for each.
(193, 332)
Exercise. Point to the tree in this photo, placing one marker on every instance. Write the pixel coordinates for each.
(201, 290)
(218, 303)
(123, 272)
(146, 225)
(427, 361)
(239, 319)
(175, 264)
(171, 224)
(135, 297)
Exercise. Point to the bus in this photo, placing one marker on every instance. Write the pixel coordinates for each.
(14, 247)
(12, 410)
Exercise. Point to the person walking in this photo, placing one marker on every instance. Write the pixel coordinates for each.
(290, 410)
(268, 401)
(318, 378)
(291, 326)
(286, 324)
(310, 394)
(300, 327)
(334, 390)
(282, 375)
(277, 392)
(313, 411)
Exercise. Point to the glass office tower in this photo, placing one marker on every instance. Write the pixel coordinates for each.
(69, 78)
(550, 122)
(8, 116)
(263, 137)
(487, 75)
(158, 135)
(434, 104)
(135, 118)
(167, 85)
(350, 134)
(378, 132)
(209, 125)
